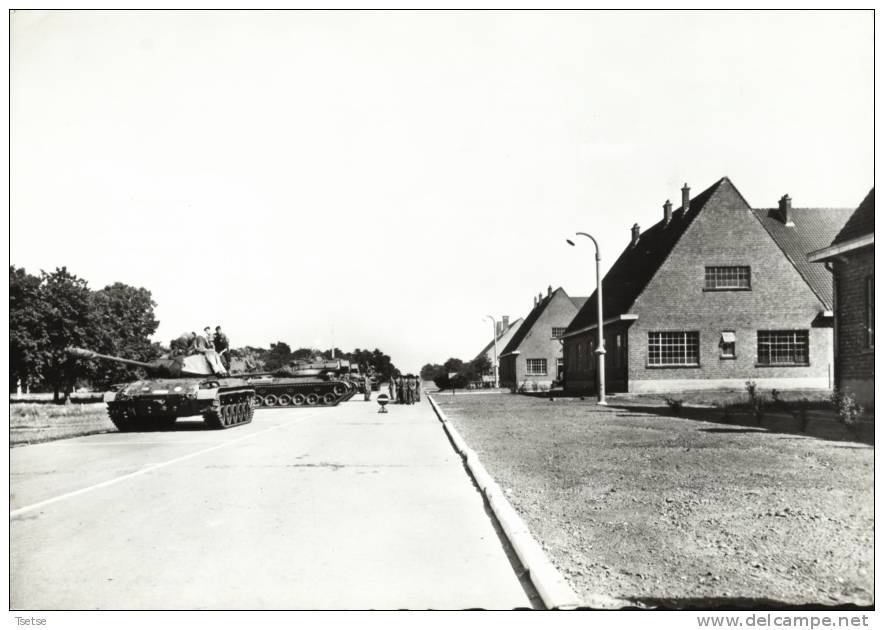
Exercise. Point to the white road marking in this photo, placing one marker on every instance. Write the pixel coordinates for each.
(147, 469)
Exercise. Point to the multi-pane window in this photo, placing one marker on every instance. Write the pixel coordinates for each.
(870, 311)
(727, 278)
(674, 348)
(728, 344)
(557, 331)
(783, 347)
(536, 367)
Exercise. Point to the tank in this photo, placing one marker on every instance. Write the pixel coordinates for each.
(301, 384)
(178, 386)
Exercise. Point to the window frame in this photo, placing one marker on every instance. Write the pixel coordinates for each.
(722, 268)
(684, 333)
(559, 328)
(790, 331)
(722, 344)
(529, 372)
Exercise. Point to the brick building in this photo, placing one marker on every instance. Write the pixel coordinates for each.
(711, 296)
(504, 331)
(851, 257)
(534, 353)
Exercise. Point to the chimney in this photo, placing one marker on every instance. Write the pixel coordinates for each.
(549, 291)
(540, 297)
(636, 231)
(506, 322)
(786, 210)
(685, 198)
(667, 212)
(535, 300)
(498, 329)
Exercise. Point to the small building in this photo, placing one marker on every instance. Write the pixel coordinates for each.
(504, 330)
(851, 257)
(532, 359)
(713, 295)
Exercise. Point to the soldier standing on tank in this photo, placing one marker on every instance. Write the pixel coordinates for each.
(222, 346)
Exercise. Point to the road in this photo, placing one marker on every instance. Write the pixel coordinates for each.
(330, 508)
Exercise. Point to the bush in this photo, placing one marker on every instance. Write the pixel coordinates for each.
(846, 407)
(675, 405)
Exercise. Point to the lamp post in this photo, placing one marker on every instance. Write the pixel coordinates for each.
(494, 337)
(598, 283)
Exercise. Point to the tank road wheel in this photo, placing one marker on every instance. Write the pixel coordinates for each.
(285, 400)
(258, 401)
(340, 389)
(329, 399)
(270, 400)
(311, 399)
(298, 399)
(242, 410)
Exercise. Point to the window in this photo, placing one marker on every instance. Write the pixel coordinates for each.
(674, 348)
(536, 367)
(558, 331)
(618, 351)
(783, 347)
(727, 278)
(728, 345)
(870, 311)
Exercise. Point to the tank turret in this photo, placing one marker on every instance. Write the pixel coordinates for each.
(201, 364)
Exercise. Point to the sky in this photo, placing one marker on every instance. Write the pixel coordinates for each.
(388, 179)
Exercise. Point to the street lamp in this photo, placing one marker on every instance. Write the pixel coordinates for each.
(494, 337)
(598, 283)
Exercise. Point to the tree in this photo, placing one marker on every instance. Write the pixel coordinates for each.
(280, 354)
(68, 323)
(27, 328)
(430, 371)
(123, 320)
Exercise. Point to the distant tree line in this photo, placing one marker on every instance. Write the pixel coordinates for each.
(52, 311)
(463, 373)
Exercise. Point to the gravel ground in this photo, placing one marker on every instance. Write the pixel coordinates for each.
(30, 423)
(642, 507)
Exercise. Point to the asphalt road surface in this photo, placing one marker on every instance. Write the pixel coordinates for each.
(330, 508)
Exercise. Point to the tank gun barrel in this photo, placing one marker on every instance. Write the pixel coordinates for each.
(82, 353)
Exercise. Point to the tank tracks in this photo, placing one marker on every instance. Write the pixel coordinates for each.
(275, 396)
(126, 421)
(235, 409)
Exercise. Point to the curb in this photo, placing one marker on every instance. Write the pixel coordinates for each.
(551, 586)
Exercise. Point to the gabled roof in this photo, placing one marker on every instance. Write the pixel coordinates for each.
(502, 335)
(532, 318)
(635, 267)
(813, 229)
(861, 223)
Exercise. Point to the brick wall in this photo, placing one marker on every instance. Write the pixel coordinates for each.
(725, 233)
(539, 344)
(856, 360)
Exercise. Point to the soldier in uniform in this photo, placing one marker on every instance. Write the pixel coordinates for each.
(400, 386)
(181, 344)
(367, 382)
(200, 343)
(417, 388)
(222, 346)
(392, 388)
(409, 390)
(207, 333)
